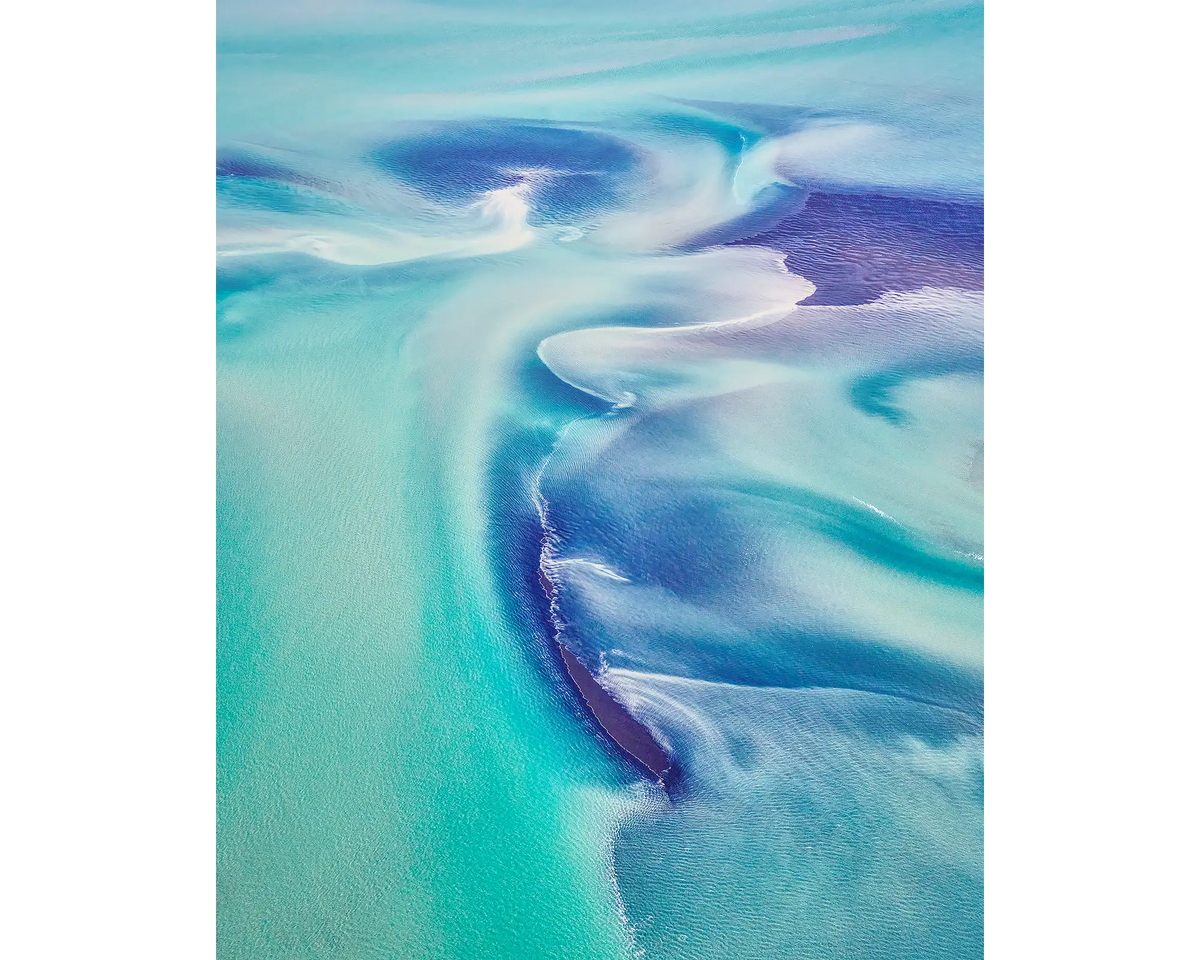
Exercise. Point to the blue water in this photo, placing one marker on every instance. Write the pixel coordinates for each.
(654, 335)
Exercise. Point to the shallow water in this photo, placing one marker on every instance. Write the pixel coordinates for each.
(653, 334)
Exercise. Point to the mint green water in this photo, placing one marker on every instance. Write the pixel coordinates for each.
(783, 583)
(392, 779)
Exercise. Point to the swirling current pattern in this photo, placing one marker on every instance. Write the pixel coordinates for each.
(600, 481)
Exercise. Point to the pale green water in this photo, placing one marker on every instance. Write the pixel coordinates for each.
(382, 789)
(401, 773)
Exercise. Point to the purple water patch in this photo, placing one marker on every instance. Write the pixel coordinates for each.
(855, 246)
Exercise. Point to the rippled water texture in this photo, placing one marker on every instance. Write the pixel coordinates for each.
(600, 480)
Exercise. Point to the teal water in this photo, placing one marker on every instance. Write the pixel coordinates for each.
(595, 294)
(391, 776)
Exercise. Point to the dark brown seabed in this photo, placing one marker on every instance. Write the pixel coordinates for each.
(616, 721)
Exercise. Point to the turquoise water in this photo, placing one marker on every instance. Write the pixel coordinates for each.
(653, 333)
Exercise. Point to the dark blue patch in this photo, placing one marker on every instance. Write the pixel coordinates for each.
(666, 533)
(701, 542)
(231, 164)
(516, 537)
(460, 162)
(246, 166)
(854, 247)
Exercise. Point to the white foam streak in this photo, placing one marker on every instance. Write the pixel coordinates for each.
(874, 509)
(496, 223)
(591, 565)
(507, 210)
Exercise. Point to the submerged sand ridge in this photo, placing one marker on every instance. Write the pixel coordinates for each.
(625, 730)
(617, 722)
